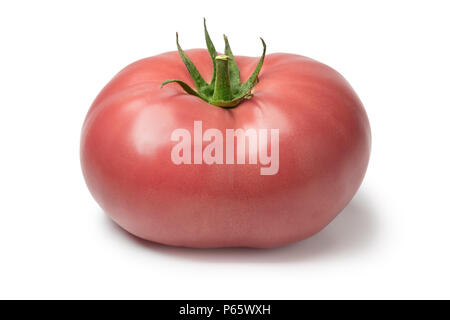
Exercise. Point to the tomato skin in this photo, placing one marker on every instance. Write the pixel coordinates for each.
(324, 151)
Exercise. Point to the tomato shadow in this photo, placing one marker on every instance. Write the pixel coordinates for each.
(352, 232)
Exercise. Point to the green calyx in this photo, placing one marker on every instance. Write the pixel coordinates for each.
(225, 89)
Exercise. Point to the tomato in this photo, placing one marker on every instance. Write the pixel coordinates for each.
(162, 164)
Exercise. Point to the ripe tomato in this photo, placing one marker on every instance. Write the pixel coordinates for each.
(134, 129)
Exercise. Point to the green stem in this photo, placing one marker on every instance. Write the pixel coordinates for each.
(222, 88)
(225, 89)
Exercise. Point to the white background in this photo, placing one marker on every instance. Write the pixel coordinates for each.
(392, 241)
